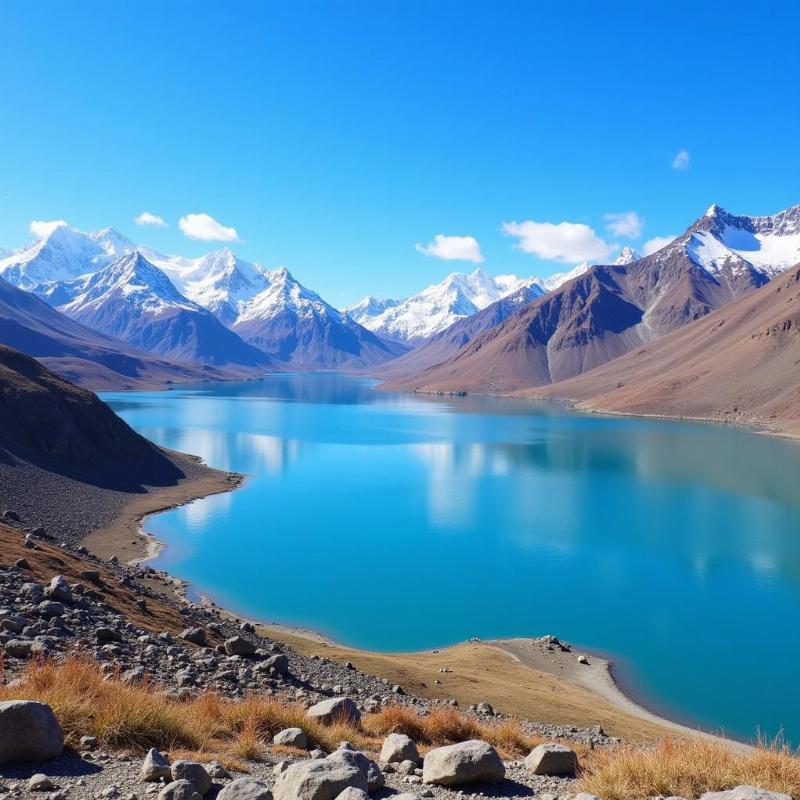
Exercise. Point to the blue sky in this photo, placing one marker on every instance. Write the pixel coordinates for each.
(336, 136)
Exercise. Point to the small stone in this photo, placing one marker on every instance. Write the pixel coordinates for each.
(552, 759)
(155, 767)
(291, 737)
(40, 783)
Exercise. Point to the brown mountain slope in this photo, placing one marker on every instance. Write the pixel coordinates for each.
(611, 309)
(738, 364)
(67, 461)
(82, 355)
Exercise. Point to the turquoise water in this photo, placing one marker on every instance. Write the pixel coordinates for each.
(395, 522)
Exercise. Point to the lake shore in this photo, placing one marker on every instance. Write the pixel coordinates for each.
(523, 676)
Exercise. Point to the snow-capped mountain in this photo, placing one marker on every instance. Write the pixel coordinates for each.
(133, 300)
(612, 309)
(62, 255)
(720, 241)
(627, 256)
(436, 308)
(370, 307)
(218, 281)
(290, 322)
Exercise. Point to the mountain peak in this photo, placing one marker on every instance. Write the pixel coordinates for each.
(626, 256)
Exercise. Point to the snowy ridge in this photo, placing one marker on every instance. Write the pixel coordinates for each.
(720, 240)
(218, 281)
(284, 294)
(436, 308)
(144, 287)
(62, 255)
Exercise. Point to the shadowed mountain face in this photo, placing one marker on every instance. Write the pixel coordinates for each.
(738, 364)
(47, 420)
(133, 300)
(292, 324)
(611, 309)
(81, 354)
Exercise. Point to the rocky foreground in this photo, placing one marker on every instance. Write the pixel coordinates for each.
(58, 601)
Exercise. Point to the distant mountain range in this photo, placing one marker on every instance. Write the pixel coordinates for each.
(83, 355)
(120, 315)
(611, 309)
(134, 301)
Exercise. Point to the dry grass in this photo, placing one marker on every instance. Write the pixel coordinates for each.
(688, 769)
(448, 725)
(138, 717)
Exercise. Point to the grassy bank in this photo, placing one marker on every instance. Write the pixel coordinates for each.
(136, 717)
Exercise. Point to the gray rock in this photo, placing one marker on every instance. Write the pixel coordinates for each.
(59, 589)
(18, 648)
(398, 747)
(40, 783)
(29, 731)
(239, 646)
(317, 780)
(194, 635)
(280, 663)
(337, 709)
(291, 737)
(353, 794)
(155, 767)
(194, 772)
(179, 790)
(462, 763)
(347, 754)
(245, 789)
(745, 793)
(552, 759)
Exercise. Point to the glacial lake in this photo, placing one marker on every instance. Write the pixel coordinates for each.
(397, 522)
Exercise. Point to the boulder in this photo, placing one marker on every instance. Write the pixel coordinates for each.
(179, 790)
(462, 763)
(552, 759)
(280, 663)
(745, 793)
(40, 783)
(354, 794)
(194, 635)
(245, 789)
(337, 709)
(291, 737)
(398, 747)
(194, 772)
(29, 731)
(58, 589)
(347, 754)
(239, 646)
(155, 767)
(317, 780)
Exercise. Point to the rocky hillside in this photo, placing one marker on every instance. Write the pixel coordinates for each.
(68, 464)
(42, 415)
(612, 309)
(738, 364)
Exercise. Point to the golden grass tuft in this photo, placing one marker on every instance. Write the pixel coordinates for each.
(234, 732)
(688, 768)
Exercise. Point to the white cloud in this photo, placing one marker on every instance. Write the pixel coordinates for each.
(655, 244)
(41, 228)
(205, 228)
(565, 243)
(453, 248)
(625, 223)
(146, 218)
(681, 160)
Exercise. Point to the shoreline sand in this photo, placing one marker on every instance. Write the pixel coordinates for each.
(517, 675)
